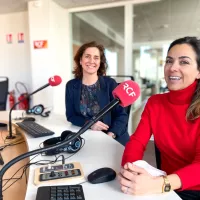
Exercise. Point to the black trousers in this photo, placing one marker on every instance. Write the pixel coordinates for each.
(189, 194)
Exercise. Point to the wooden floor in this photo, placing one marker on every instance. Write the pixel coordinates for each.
(18, 190)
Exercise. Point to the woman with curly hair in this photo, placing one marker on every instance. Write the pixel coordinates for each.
(90, 91)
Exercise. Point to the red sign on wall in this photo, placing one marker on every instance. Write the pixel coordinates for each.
(20, 37)
(9, 38)
(40, 44)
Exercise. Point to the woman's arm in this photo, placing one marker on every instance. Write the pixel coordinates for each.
(135, 148)
(77, 120)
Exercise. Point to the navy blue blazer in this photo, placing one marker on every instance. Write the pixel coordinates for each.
(117, 119)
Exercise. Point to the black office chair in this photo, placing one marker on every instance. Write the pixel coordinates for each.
(158, 157)
(3, 94)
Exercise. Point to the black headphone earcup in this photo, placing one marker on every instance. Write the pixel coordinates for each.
(29, 111)
(75, 145)
(49, 142)
(65, 134)
(46, 114)
(36, 110)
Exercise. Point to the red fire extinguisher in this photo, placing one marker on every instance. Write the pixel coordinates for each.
(11, 99)
(24, 104)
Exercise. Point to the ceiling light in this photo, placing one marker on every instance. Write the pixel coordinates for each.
(165, 26)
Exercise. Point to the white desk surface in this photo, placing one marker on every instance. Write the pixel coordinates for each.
(99, 151)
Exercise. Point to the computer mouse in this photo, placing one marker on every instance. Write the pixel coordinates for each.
(101, 175)
(28, 119)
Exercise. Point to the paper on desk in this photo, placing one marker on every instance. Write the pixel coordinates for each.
(149, 168)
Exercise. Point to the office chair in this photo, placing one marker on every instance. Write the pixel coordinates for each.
(3, 94)
(158, 157)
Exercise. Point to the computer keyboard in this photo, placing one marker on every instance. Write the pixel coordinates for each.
(64, 192)
(34, 129)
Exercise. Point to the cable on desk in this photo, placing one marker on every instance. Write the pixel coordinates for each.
(9, 145)
(16, 173)
(26, 166)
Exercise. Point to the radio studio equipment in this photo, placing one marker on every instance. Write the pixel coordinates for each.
(125, 94)
(72, 147)
(53, 81)
(38, 110)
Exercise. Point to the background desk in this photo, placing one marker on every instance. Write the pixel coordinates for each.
(99, 151)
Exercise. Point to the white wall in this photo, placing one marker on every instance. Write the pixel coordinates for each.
(41, 60)
(14, 58)
(49, 22)
(59, 47)
(21, 62)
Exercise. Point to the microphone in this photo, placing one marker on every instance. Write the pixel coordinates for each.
(53, 81)
(124, 94)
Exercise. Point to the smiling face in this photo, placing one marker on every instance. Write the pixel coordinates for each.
(90, 61)
(181, 67)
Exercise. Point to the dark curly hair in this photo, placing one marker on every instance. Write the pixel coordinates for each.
(193, 112)
(78, 71)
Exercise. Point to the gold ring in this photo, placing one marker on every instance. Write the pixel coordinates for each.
(127, 190)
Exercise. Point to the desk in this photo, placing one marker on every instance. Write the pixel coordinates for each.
(99, 151)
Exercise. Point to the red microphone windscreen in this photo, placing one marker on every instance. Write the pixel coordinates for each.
(127, 92)
(55, 80)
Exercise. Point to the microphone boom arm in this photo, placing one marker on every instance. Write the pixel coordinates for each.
(10, 120)
(41, 88)
(93, 120)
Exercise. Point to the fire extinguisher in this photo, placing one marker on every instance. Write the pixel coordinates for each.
(24, 104)
(11, 99)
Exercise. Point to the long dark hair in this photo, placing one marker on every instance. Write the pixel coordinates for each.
(78, 71)
(193, 112)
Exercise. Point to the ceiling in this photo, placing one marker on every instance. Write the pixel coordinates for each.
(8, 6)
(156, 21)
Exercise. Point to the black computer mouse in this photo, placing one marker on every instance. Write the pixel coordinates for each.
(28, 119)
(101, 175)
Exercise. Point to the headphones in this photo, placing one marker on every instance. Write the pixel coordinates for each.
(38, 110)
(72, 147)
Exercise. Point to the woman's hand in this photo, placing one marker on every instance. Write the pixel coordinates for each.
(137, 181)
(100, 126)
(111, 134)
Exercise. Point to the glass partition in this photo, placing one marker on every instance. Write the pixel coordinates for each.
(156, 25)
(105, 26)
